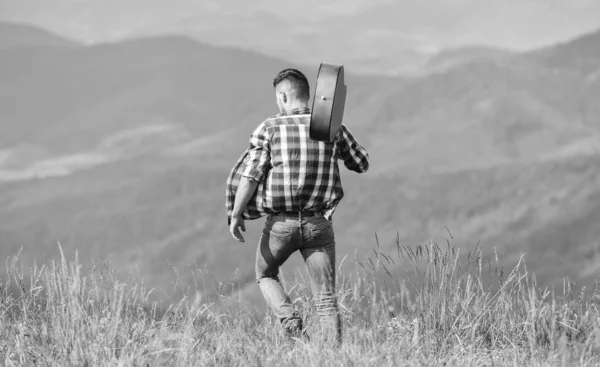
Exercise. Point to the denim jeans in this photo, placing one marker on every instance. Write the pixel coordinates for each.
(314, 237)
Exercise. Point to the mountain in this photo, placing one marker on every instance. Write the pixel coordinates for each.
(19, 35)
(582, 53)
(384, 37)
(449, 58)
(121, 151)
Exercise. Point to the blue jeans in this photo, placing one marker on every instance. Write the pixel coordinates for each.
(314, 237)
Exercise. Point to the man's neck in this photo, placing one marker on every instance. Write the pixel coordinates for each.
(297, 106)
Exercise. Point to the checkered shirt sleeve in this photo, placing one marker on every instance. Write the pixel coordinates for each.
(253, 210)
(354, 156)
(258, 154)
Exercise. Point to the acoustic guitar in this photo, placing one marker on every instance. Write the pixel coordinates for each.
(328, 103)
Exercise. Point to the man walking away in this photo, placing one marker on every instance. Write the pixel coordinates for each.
(295, 182)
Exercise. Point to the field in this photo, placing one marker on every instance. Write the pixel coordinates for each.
(67, 314)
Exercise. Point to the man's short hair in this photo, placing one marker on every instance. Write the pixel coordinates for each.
(297, 79)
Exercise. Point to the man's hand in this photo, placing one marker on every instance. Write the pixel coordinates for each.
(244, 193)
(237, 222)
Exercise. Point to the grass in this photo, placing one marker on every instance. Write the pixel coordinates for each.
(64, 315)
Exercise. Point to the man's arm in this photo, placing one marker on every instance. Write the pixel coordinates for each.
(243, 195)
(354, 156)
(259, 158)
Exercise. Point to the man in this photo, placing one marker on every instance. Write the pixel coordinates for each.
(295, 182)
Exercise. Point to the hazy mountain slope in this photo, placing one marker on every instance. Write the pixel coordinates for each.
(581, 54)
(496, 152)
(14, 35)
(452, 57)
(168, 77)
(481, 114)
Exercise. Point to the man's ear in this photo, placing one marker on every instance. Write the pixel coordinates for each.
(283, 97)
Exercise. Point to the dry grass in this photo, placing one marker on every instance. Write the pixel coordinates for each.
(61, 315)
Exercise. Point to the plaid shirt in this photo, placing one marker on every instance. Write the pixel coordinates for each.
(293, 171)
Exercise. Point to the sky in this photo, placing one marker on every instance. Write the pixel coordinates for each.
(425, 24)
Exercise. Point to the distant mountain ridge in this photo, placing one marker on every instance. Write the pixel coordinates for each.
(583, 48)
(20, 35)
(375, 37)
(449, 58)
(582, 53)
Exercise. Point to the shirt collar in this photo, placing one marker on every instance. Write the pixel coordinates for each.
(296, 111)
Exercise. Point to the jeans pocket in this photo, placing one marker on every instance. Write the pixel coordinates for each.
(321, 230)
(277, 228)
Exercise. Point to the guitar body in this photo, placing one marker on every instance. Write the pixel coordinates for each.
(328, 103)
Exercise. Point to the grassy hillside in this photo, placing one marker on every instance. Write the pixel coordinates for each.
(68, 314)
(122, 150)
